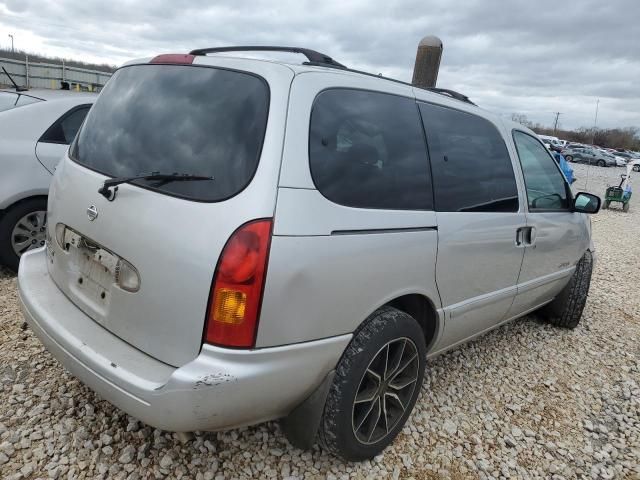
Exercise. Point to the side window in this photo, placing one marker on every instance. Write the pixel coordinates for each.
(546, 187)
(367, 150)
(64, 130)
(471, 166)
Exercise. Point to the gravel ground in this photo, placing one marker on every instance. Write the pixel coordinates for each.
(525, 401)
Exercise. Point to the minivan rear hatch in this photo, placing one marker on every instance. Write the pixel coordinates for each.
(219, 123)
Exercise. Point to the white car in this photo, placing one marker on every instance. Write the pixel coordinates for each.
(36, 128)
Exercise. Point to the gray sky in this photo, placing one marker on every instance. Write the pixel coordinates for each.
(531, 57)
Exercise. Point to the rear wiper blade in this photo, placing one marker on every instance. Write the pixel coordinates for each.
(109, 192)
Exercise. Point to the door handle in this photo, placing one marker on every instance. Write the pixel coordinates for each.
(525, 236)
(530, 237)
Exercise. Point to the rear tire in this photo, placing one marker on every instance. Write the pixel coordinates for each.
(625, 207)
(602, 163)
(8, 223)
(569, 158)
(566, 310)
(606, 204)
(382, 368)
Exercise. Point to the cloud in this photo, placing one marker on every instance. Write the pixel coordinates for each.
(519, 56)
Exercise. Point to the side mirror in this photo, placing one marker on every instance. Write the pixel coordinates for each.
(586, 203)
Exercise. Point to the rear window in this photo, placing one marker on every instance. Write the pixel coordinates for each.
(178, 119)
(9, 100)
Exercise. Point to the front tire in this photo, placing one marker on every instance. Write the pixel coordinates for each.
(22, 228)
(376, 385)
(566, 310)
(569, 158)
(606, 204)
(602, 163)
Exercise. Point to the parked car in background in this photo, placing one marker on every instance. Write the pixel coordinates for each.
(548, 140)
(328, 254)
(589, 156)
(37, 128)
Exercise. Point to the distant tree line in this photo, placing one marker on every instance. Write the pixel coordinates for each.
(20, 55)
(627, 138)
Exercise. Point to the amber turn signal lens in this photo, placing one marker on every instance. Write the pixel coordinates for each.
(229, 306)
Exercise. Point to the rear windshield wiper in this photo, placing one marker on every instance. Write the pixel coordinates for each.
(109, 192)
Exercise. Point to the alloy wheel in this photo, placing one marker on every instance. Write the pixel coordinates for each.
(29, 232)
(385, 390)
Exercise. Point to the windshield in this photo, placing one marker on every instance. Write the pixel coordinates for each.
(173, 118)
(9, 100)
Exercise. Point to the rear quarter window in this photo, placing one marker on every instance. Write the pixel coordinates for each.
(194, 120)
(367, 150)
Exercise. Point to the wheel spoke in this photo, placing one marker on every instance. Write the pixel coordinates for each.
(404, 365)
(371, 382)
(401, 384)
(38, 219)
(397, 358)
(20, 245)
(385, 413)
(365, 416)
(396, 398)
(23, 226)
(386, 363)
(376, 419)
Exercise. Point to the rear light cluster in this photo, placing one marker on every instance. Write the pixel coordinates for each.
(236, 292)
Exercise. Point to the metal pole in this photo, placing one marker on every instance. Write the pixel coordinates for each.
(595, 123)
(26, 68)
(12, 50)
(555, 124)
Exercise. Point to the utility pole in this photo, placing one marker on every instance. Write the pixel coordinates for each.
(595, 123)
(12, 50)
(555, 124)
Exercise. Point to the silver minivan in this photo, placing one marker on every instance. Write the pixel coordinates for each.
(235, 240)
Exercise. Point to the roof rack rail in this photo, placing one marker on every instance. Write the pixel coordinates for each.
(450, 93)
(313, 57)
(321, 60)
(442, 91)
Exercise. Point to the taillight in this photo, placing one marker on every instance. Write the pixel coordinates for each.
(236, 292)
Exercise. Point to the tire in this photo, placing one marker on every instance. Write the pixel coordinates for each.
(625, 207)
(601, 163)
(8, 223)
(351, 430)
(636, 168)
(606, 204)
(566, 310)
(568, 158)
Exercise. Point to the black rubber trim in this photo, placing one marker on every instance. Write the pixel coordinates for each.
(384, 230)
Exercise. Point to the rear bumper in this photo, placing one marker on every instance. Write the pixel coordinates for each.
(221, 388)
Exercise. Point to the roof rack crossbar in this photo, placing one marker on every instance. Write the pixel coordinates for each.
(313, 57)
